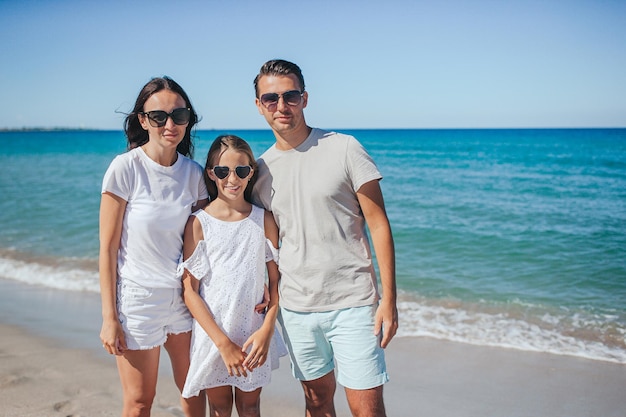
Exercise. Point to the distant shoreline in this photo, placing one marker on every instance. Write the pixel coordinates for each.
(51, 129)
(342, 129)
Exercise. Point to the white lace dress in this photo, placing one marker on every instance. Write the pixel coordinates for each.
(230, 264)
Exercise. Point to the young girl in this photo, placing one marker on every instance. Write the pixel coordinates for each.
(227, 248)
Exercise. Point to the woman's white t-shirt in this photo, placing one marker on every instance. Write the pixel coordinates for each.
(159, 202)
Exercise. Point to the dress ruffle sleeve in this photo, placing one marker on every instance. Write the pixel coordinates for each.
(271, 253)
(198, 263)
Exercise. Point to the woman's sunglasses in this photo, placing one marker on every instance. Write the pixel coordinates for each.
(158, 118)
(291, 97)
(222, 172)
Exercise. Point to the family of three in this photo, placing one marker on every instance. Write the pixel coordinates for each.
(204, 261)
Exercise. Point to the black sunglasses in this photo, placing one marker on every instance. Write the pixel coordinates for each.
(222, 172)
(291, 97)
(158, 118)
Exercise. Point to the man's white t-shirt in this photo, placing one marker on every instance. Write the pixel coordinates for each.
(159, 201)
(325, 256)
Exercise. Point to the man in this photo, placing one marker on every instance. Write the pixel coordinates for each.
(323, 190)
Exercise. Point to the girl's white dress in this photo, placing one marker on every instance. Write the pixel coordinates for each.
(230, 264)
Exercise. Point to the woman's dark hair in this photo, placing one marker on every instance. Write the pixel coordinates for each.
(220, 145)
(136, 134)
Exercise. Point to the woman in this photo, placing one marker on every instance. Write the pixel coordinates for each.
(148, 194)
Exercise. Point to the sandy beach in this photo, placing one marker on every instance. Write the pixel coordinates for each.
(51, 364)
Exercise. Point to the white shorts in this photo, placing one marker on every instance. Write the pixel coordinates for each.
(149, 315)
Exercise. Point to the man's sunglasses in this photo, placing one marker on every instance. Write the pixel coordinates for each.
(222, 172)
(291, 97)
(158, 118)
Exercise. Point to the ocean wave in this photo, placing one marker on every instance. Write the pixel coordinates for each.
(513, 326)
(60, 273)
(561, 332)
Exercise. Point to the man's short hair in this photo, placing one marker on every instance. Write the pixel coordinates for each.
(278, 67)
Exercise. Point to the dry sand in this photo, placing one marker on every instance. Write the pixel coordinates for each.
(51, 365)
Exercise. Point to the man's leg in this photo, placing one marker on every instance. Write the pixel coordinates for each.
(360, 360)
(311, 359)
(319, 395)
(367, 402)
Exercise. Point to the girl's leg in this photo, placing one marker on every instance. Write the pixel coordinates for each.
(138, 371)
(248, 403)
(177, 346)
(220, 401)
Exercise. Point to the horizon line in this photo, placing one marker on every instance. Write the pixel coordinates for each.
(84, 129)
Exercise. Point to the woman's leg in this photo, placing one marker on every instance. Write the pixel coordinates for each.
(248, 403)
(177, 346)
(138, 371)
(220, 401)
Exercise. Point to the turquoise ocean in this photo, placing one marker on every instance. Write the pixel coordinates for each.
(506, 238)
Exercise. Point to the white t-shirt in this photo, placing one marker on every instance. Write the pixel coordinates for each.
(159, 201)
(325, 256)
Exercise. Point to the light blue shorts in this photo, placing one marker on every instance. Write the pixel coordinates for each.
(346, 335)
(149, 315)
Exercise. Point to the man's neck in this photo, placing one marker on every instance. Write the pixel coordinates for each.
(291, 140)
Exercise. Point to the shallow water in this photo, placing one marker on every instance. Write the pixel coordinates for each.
(511, 238)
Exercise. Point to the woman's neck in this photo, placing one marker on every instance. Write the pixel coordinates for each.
(162, 156)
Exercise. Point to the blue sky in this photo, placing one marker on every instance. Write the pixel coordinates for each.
(384, 64)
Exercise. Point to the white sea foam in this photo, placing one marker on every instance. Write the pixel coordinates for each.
(546, 334)
(67, 276)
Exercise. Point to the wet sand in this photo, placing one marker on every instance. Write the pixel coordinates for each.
(52, 364)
